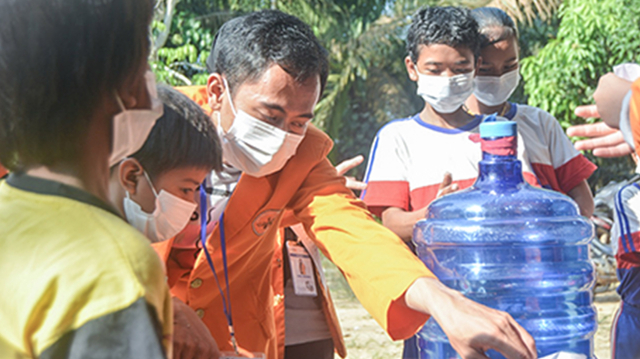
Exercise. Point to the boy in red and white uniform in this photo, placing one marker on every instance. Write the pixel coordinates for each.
(410, 157)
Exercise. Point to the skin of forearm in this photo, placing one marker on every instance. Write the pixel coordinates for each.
(581, 194)
(401, 222)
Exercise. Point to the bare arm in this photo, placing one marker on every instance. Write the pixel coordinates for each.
(583, 197)
(401, 222)
(483, 329)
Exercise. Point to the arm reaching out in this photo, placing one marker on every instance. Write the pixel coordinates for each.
(483, 329)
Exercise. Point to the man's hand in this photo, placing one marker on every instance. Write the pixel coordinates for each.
(191, 338)
(603, 140)
(447, 186)
(345, 166)
(472, 328)
(608, 96)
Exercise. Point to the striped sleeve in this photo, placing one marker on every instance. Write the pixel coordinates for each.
(627, 224)
(387, 172)
(626, 230)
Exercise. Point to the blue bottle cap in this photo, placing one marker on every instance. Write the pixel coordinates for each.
(492, 128)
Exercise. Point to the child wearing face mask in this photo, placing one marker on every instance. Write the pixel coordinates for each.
(156, 189)
(410, 157)
(555, 162)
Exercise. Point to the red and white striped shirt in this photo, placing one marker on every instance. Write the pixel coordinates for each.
(410, 157)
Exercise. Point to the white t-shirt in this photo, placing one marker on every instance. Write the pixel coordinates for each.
(410, 157)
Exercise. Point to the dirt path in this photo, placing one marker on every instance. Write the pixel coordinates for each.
(366, 340)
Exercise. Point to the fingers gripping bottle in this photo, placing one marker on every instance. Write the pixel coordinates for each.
(512, 247)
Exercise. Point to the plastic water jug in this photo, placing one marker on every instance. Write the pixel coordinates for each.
(512, 247)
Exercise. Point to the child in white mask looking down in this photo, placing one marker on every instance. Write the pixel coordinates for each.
(156, 187)
(555, 162)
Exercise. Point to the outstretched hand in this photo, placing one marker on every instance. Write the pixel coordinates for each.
(603, 140)
(447, 186)
(472, 328)
(345, 166)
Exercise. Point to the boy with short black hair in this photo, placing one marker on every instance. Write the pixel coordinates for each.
(78, 281)
(411, 156)
(156, 187)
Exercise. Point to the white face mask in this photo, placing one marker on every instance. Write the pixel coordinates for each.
(496, 90)
(253, 146)
(445, 94)
(169, 217)
(131, 127)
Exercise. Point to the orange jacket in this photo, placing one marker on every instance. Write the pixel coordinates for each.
(375, 262)
(634, 114)
(278, 290)
(3, 171)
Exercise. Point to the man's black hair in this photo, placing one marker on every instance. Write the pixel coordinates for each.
(58, 61)
(494, 25)
(449, 25)
(246, 46)
(183, 137)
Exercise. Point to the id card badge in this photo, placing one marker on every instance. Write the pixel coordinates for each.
(234, 355)
(302, 272)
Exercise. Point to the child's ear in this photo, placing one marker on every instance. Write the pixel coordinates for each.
(411, 68)
(133, 92)
(129, 173)
(215, 91)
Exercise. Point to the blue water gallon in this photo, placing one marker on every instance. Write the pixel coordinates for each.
(512, 247)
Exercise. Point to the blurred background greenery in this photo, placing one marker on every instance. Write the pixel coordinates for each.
(565, 47)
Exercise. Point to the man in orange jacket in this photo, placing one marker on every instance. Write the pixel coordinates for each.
(267, 74)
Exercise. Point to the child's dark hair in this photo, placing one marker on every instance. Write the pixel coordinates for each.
(183, 137)
(59, 61)
(494, 25)
(449, 25)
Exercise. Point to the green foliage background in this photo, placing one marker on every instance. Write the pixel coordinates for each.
(562, 59)
(592, 37)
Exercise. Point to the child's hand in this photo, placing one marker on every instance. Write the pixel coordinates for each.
(447, 186)
(191, 338)
(345, 166)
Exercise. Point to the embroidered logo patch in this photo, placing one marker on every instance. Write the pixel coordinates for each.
(264, 220)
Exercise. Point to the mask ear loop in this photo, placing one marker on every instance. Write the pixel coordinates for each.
(218, 122)
(119, 101)
(155, 193)
(228, 91)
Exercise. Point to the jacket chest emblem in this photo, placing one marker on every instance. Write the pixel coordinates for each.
(264, 220)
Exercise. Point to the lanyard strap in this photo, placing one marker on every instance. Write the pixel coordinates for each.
(226, 302)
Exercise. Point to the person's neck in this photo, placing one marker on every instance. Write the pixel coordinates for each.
(478, 107)
(90, 172)
(90, 180)
(456, 119)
